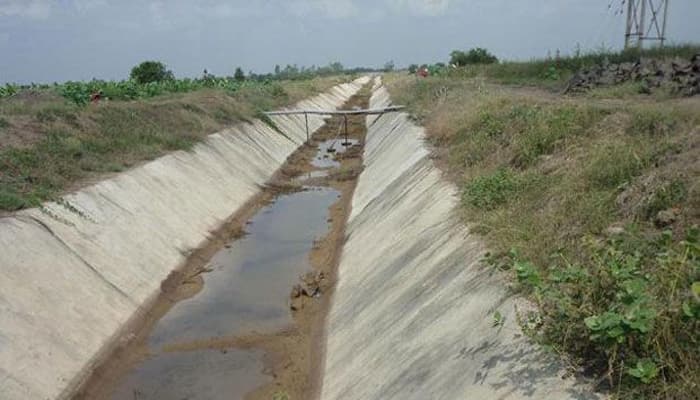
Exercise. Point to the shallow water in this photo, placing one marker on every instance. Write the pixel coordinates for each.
(195, 375)
(246, 291)
(325, 158)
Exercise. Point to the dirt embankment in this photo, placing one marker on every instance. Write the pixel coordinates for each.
(293, 356)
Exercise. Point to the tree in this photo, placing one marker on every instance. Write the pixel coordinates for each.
(413, 68)
(151, 71)
(476, 55)
(239, 75)
(389, 66)
(277, 69)
(336, 67)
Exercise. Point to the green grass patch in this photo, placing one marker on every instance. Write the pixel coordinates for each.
(490, 191)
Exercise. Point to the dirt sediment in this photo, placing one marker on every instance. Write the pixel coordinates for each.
(294, 355)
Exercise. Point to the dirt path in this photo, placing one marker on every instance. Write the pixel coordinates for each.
(293, 356)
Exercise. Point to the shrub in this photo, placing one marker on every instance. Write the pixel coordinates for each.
(476, 55)
(632, 322)
(151, 71)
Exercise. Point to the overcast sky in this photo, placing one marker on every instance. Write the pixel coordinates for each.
(58, 40)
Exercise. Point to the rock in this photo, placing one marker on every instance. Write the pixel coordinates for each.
(665, 218)
(296, 304)
(681, 66)
(679, 75)
(296, 291)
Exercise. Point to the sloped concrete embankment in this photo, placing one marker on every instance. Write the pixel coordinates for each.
(412, 314)
(74, 272)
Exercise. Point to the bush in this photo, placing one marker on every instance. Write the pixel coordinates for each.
(151, 71)
(474, 56)
(630, 321)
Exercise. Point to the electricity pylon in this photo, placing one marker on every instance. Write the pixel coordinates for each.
(646, 21)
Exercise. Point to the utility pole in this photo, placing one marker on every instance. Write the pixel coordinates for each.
(643, 12)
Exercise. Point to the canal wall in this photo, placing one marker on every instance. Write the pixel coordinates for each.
(412, 316)
(75, 271)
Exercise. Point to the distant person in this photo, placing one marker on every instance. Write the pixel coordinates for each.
(96, 97)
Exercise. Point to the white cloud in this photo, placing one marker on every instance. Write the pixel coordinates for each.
(35, 9)
(430, 8)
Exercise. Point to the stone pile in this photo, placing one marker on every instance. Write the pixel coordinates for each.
(681, 75)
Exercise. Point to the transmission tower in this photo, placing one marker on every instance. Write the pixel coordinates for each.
(646, 21)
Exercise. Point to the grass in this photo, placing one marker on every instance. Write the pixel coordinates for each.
(70, 143)
(554, 71)
(565, 191)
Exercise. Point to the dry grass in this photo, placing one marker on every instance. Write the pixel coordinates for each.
(543, 175)
(48, 145)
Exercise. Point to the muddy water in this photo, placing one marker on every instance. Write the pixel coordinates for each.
(246, 290)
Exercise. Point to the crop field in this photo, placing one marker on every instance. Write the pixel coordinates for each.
(52, 138)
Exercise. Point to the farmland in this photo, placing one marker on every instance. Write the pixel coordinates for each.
(53, 139)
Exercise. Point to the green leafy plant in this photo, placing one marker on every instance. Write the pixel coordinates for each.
(498, 319)
(617, 314)
(645, 370)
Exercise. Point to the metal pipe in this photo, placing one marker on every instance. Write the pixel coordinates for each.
(373, 111)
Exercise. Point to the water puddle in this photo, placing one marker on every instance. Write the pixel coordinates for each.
(246, 290)
(196, 375)
(325, 158)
